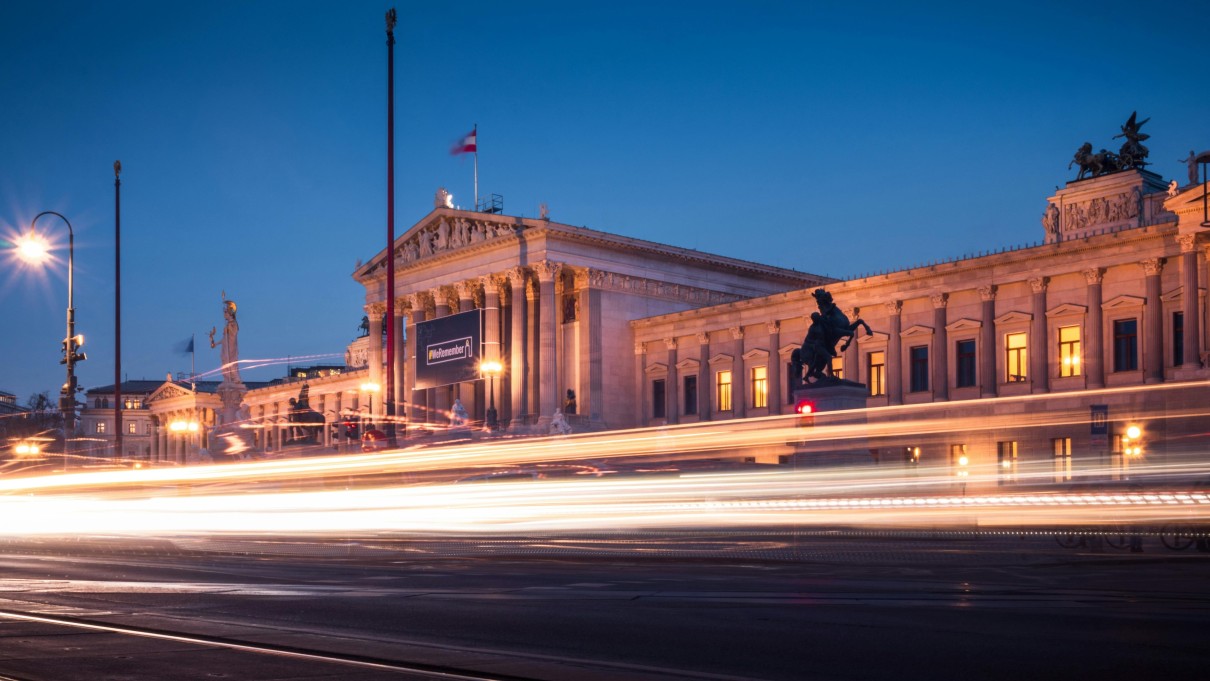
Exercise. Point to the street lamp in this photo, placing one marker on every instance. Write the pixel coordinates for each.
(33, 248)
(372, 390)
(492, 368)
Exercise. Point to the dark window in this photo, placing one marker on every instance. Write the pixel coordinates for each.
(966, 363)
(1178, 338)
(789, 383)
(919, 358)
(658, 401)
(690, 400)
(1125, 345)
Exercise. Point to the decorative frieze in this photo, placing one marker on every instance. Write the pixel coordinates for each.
(450, 234)
(1102, 210)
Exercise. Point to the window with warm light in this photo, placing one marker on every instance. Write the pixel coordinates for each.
(1016, 356)
(876, 363)
(1069, 351)
(1062, 451)
(722, 390)
(838, 367)
(100, 427)
(760, 387)
(132, 428)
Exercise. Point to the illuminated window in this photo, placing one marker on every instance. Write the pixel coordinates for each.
(760, 387)
(965, 357)
(1006, 458)
(132, 428)
(876, 362)
(1125, 345)
(100, 426)
(722, 390)
(918, 358)
(1178, 338)
(1069, 351)
(1016, 355)
(658, 399)
(959, 461)
(690, 389)
(1062, 450)
(838, 367)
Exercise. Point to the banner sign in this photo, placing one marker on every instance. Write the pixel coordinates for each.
(449, 349)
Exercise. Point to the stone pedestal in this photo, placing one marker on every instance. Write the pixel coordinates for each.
(831, 399)
(230, 439)
(1108, 203)
(835, 395)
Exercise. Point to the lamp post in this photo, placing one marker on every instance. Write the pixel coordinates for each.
(32, 248)
(492, 368)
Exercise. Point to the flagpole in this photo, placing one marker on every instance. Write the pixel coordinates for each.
(192, 356)
(475, 133)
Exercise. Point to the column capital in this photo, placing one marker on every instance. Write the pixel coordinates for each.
(640, 348)
(466, 289)
(375, 309)
(850, 312)
(737, 332)
(1188, 242)
(940, 300)
(670, 343)
(403, 305)
(1152, 266)
(703, 338)
(1094, 275)
(546, 270)
(894, 307)
(1038, 284)
(773, 327)
(583, 277)
(516, 276)
(491, 283)
(987, 292)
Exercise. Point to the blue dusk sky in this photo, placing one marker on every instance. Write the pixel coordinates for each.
(833, 138)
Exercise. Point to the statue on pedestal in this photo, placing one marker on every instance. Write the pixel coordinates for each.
(828, 326)
(229, 354)
(1133, 154)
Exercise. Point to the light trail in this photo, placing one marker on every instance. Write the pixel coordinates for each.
(634, 479)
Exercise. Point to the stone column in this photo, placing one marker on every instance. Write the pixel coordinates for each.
(671, 403)
(739, 376)
(640, 367)
(591, 353)
(491, 337)
(988, 380)
(941, 363)
(375, 312)
(1039, 344)
(465, 290)
(402, 307)
(852, 356)
(518, 367)
(703, 377)
(1192, 358)
(417, 400)
(1153, 317)
(533, 341)
(775, 369)
(548, 395)
(894, 359)
(1094, 332)
(441, 400)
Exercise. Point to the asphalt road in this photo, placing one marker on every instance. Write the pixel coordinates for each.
(696, 605)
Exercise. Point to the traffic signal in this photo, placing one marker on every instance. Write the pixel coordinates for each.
(71, 347)
(806, 413)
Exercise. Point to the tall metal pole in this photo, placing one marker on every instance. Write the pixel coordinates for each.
(67, 395)
(117, 310)
(390, 252)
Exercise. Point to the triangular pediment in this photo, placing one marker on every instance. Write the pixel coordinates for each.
(168, 391)
(964, 324)
(1123, 302)
(756, 354)
(688, 365)
(1014, 317)
(657, 368)
(788, 348)
(916, 330)
(443, 231)
(876, 337)
(721, 359)
(1178, 293)
(1066, 309)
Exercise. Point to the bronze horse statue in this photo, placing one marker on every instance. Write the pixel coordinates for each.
(828, 327)
(306, 432)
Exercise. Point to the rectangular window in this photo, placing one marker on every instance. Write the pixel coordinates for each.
(100, 426)
(132, 428)
(722, 390)
(919, 361)
(1016, 357)
(1062, 450)
(876, 362)
(966, 363)
(659, 401)
(760, 387)
(1126, 345)
(1178, 338)
(838, 367)
(1006, 458)
(690, 400)
(1069, 351)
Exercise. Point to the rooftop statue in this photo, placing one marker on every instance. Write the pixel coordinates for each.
(828, 326)
(229, 354)
(1100, 163)
(1133, 154)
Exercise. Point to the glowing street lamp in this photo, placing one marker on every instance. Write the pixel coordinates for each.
(1130, 441)
(33, 249)
(493, 369)
(372, 389)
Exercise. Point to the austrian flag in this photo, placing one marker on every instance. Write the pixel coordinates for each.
(466, 145)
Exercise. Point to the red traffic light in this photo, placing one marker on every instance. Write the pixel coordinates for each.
(804, 407)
